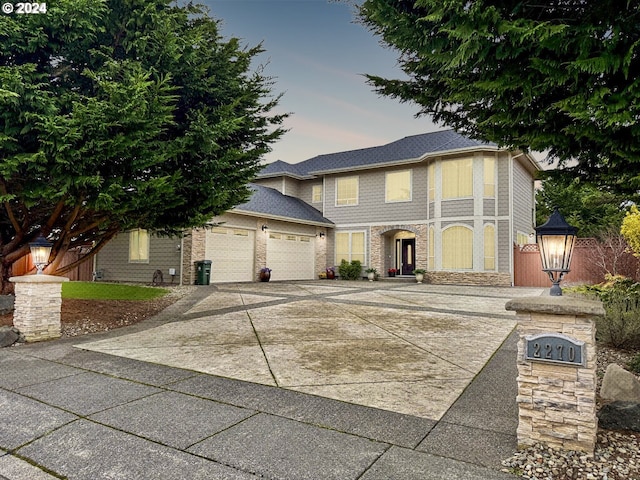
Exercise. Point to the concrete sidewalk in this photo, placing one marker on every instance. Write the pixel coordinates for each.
(70, 412)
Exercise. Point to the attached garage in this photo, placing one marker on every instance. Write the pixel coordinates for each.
(291, 257)
(231, 251)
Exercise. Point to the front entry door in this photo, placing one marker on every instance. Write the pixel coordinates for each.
(408, 248)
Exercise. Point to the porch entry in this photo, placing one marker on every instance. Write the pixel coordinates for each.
(406, 255)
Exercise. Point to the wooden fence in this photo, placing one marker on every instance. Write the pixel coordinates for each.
(83, 272)
(591, 261)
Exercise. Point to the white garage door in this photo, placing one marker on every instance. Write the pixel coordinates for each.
(231, 253)
(291, 257)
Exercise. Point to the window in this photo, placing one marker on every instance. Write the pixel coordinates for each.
(347, 191)
(431, 180)
(350, 246)
(316, 194)
(457, 178)
(522, 238)
(431, 265)
(398, 186)
(489, 247)
(489, 177)
(457, 248)
(138, 246)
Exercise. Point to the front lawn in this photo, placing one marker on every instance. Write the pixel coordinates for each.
(109, 291)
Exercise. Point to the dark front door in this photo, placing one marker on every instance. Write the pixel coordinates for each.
(408, 249)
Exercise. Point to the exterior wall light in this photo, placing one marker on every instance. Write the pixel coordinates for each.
(264, 228)
(321, 235)
(40, 251)
(556, 239)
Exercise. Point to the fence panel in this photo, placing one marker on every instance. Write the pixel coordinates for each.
(591, 261)
(83, 272)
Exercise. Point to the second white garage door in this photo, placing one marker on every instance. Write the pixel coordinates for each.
(231, 253)
(291, 257)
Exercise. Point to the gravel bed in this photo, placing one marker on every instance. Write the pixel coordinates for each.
(617, 454)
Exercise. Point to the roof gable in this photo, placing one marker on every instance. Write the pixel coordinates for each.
(270, 202)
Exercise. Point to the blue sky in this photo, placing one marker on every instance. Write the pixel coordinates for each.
(318, 56)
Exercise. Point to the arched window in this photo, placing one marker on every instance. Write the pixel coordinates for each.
(457, 248)
(489, 247)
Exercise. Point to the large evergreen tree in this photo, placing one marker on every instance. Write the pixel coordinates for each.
(119, 114)
(556, 75)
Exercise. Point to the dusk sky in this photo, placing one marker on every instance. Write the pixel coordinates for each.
(318, 56)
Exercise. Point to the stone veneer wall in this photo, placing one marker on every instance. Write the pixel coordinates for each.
(193, 249)
(557, 403)
(469, 278)
(261, 247)
(321, 251)
(378, 239)
(38, 303)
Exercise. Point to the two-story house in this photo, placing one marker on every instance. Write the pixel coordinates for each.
(437, 201)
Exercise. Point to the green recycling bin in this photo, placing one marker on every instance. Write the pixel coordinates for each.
(203, 272)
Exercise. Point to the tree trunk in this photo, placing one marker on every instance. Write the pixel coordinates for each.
(7, 287)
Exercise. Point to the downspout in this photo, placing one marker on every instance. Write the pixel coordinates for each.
(511, 220)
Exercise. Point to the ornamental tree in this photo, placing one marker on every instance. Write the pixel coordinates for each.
(123, 114)
(561, 75)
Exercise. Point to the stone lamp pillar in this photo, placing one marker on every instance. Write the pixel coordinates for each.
(557, 371)
(38, 304)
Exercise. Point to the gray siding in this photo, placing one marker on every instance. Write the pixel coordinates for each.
(504, 246)
(457, 208)
(503, 180)
(291, 187)
(522, 199)
(275, 183)
(113, 260)
(489, 207)
(305, 193)
(372, 207)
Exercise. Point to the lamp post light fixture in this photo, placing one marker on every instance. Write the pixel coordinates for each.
(40, 251)
(556, 239)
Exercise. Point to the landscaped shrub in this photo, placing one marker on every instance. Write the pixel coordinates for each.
(634, 364)
(350, 271)
(620, 327)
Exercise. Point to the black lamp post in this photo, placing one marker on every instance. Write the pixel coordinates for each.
(556, 239)
(40, 251)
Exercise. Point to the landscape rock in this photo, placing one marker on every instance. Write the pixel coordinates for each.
(6, 304)
(620, 385)
(8, 336)
(620, 416)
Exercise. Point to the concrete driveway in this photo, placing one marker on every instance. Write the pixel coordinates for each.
(405, 347)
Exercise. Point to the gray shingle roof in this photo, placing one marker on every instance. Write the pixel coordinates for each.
(271, 203)
(407, 148)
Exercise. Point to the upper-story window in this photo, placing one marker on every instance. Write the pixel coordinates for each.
(431, 181)
(457, 178)
(398, 186)
(316, 194)
(490, 177)
(138, 246)
(347, 191)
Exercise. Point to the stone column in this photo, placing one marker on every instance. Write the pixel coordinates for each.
(557, 371)
(38, 304)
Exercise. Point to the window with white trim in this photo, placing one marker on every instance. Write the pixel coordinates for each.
(431, 181)
(489, 247)
(347, 191)
(457, 178)
(316, 194)
(489, 177)
(139, 246)
(431, 260)
(350, 246)
(398, 186)
(457, 248)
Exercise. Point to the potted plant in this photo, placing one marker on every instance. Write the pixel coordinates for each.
(419, 273)
(371, 273)
(331, 273)
(265, 274)
(392, 272)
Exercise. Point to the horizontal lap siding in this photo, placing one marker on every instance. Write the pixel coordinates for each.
(457, 208)
(371, 199)
(113, 260)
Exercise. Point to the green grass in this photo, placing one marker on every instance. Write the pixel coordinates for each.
(109, 291)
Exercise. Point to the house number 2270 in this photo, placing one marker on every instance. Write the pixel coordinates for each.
(554, 348)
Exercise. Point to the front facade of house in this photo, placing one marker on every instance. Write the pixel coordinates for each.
(437, 201)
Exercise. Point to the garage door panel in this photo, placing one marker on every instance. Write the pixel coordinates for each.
(291, 257)
(231, 252)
